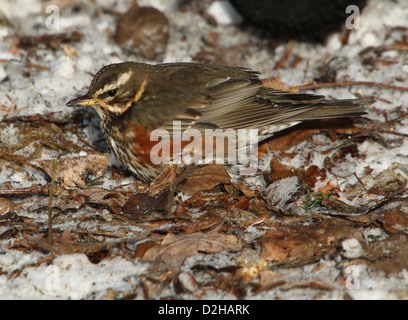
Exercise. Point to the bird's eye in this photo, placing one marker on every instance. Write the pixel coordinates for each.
(112, 93)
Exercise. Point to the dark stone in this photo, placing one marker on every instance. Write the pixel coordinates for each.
(143, 30)
(310, 20)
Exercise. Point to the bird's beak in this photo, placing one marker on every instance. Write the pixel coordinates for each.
(82, 101)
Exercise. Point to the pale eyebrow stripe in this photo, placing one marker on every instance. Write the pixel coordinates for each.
(123, 78)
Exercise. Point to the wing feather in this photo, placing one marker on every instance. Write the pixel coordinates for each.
(237, 104)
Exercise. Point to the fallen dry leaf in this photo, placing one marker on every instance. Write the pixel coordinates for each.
(294, 137)
(51, 41)
(275, 83)
(187, 179)
(281, 193)
(204, 178)
(297, 245)
(204, 222)
(75, 171)
(395, 220)
(68, 236)
(175, 249)
(144, 203)
(338, 207)
(280, 171)
(60, 246)
(160, 194)
(388, 182)
(6, 206)
(390, 255)
(199, 200)
(142, 248)
(314, 174)
(63, 245)
(261, 208)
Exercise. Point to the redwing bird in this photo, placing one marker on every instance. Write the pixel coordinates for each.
(133, 99)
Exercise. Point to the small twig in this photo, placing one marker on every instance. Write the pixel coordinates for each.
(20, 161)
(347, 84)
(359, 181)
(162, 218)
(27, 64)
(393, 132)
(52, 184)
(141, 186)
(286, 54)
(37, 189)
(306, 70)
(83, 141)
(37, 117)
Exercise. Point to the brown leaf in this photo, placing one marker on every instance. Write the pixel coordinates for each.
(170, 177)
(390, 255)
(74, 171)
(51, 41)
(176, 248)
(260, 208)
(68, 236)
(144, 203)
(143, 247)
(98, 256)
(233, 215)
(388, 182)
(283, 192)
(112, 199)
(395, 220)
(6, 206)
(339, 207)
(204, 178)
(199, 200)
(243, 204)
(160, 194)
(187, 179)
(93, 249)
(275, 83)
(314, 174)
(77, 202)
(203, 223)
(9, 233)
(115, 203)
(294, 245)
(294, 137)
(280, 171)
(61, 247)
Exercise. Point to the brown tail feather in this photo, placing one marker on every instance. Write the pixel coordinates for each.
(335, 108)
